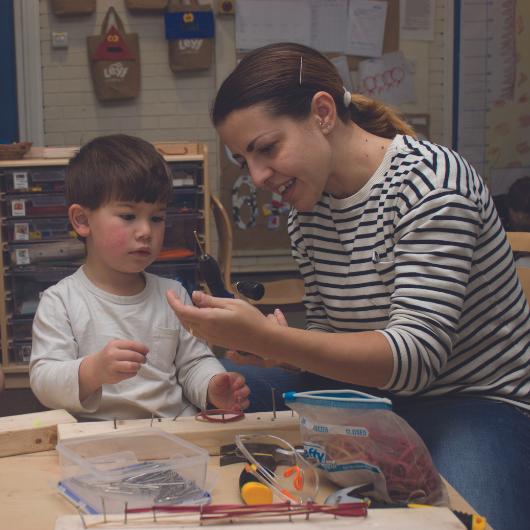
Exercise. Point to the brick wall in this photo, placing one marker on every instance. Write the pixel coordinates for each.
(170, 107)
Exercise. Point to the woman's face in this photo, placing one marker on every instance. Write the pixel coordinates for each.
(288, 157)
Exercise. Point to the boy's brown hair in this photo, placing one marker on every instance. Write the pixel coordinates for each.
(117, 167)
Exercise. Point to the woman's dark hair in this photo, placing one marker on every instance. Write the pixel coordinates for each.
(117, 167)
(284, 77)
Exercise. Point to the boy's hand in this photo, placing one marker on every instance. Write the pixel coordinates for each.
(228, 391)
(117, 361)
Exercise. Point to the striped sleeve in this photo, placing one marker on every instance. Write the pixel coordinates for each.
(434, 245)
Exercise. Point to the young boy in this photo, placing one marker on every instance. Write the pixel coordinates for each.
(105, 342)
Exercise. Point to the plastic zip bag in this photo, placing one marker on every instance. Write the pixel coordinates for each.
(356, 439)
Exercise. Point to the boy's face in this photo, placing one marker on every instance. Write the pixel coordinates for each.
(125, 237)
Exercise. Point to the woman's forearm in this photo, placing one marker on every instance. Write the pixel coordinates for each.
(362, 358)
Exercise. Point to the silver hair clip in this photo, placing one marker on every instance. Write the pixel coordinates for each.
(300, 73)
(346, 98)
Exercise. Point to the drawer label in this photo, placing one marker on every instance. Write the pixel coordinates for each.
(18, 207)
(21, 232)
(20, 180)
(22, 256)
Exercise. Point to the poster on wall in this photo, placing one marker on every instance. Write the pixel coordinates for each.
(493, 79)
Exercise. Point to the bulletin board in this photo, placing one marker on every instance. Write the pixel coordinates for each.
(259, 221)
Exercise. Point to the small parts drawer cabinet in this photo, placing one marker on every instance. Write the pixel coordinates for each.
(39, 247)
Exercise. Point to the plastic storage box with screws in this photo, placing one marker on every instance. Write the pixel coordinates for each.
(131, 469)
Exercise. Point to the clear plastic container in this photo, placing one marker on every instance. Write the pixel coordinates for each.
(27, 285)
(186, 173)
(20, 352)
(20, 329)
(184, 200)
(179, 232)
(34, 179)
(52, 229)
(50, 205)
(142, 468)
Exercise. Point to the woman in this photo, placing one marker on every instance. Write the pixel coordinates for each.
(406, 266)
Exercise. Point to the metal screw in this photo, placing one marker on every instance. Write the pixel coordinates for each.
(104, 510)
(273, 403)
(82, 518)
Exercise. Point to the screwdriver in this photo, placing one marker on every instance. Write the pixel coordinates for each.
(211, 274)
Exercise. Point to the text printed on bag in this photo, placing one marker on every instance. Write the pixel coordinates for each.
(190, 44)
(115, 70)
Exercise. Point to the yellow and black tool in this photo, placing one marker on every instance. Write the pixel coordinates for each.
(269, 456)
(253, 491)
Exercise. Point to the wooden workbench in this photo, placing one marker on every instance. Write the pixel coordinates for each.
(29, 498)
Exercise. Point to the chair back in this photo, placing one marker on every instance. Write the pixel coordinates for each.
(277, 292)
(520, 242)
(225, 235)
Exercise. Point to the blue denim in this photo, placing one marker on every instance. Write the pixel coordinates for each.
(481, 446)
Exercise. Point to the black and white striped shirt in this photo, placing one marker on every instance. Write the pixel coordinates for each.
(419, 253)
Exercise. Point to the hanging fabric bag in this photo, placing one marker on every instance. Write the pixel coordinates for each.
(114, 58)
(190, 32)
(64, 8)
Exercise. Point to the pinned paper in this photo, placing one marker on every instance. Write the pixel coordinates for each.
(366, 27)
(389, 79)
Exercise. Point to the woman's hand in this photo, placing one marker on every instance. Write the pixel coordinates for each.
(248, 358)
(226, 322)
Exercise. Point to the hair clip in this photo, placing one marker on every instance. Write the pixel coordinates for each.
(346, 97)
(300, 72)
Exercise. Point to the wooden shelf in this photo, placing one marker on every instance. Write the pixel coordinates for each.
(17, 373)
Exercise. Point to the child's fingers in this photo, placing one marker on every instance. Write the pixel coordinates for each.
(236, 380)
(130, 346)
(243, 404)
(128, 367)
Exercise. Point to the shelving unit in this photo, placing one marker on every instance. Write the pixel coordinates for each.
(39, 247)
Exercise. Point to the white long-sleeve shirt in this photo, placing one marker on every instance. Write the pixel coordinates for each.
(420, 255)
(75, 319)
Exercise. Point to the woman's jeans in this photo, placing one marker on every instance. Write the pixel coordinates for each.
(481, 446)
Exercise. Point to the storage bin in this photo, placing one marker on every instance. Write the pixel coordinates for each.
(20, 352)
(179, 233)
(57, 252)
(50, 205)
(140, 467)
(45, 229)
(20, 329)
(34, 179)
(185, 200)
(28, 284)
(186, 173)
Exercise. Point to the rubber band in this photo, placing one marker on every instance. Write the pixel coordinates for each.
(219, 415)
